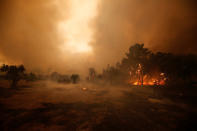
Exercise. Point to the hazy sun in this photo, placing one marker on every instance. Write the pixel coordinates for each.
(76, 29)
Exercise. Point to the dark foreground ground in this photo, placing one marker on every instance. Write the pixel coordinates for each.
(49, 106)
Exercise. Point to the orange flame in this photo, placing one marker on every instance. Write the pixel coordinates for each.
(151, 81)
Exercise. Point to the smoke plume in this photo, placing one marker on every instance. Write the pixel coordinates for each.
(29, 32)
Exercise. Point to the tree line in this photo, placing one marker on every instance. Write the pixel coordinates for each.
(179, 69)
(15, 73)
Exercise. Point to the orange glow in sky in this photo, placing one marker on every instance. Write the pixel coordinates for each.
(76, 30)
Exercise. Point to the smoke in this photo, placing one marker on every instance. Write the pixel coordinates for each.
(163, 25)
(29, 33)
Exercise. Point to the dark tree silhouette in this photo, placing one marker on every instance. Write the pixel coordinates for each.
(75, 78)
(4, 68)
(176, 67)
(13, 73)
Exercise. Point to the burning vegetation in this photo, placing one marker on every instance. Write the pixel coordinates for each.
(140, 67)
(107, 98)
(144, 67)
(144, 80)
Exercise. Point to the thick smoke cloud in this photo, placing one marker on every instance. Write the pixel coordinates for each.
(163, 25)
(29, 33)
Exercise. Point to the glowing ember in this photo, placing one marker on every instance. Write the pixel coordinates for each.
(141, 79)
(150, 82)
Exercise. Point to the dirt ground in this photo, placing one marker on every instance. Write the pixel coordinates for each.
(50, 106)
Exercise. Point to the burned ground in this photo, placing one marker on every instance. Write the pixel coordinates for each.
(51, 106)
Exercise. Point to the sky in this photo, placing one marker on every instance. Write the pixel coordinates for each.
(70, 36)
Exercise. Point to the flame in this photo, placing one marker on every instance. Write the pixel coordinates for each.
(151, 81)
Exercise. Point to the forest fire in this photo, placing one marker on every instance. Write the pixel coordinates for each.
(150, 82)
(141, 79)
(98, 65)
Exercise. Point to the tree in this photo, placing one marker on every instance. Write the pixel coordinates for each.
(177, 68)
(21, 68)
(138, 54)
(75, 78)
(4, 68)
(13, 73)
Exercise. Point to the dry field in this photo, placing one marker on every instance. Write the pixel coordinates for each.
(45, 105)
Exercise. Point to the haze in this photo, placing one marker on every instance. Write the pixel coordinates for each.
(71, 36)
